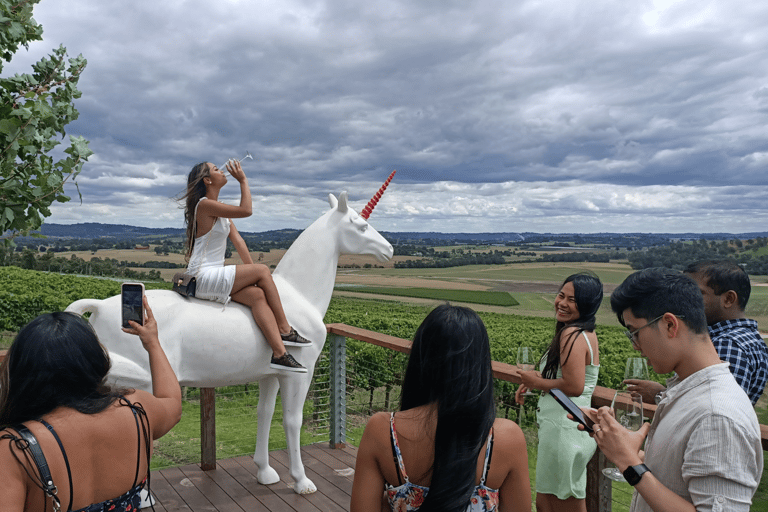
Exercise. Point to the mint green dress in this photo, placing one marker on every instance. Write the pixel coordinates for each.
(564, 451)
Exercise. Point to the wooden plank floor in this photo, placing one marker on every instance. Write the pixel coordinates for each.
(232, 486)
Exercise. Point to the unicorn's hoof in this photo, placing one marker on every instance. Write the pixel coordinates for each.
(267, 476)
(304, 486)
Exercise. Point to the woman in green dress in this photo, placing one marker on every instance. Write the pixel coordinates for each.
(570, 364)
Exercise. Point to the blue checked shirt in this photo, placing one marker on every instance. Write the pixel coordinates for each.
(739, 343)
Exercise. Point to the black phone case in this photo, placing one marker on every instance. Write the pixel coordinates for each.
(571, 408)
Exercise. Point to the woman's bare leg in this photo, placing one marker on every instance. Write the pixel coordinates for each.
(255, 298)
(259, 275)
(551, 503)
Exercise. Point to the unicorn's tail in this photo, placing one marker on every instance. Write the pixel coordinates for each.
(84, 306)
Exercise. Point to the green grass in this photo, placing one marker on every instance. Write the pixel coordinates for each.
(235, 428)
(473, 296)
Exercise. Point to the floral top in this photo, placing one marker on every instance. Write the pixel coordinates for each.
(128, 502)
(408, 497)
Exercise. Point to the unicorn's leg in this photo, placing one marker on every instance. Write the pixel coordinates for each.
(268, 387)
(293, 391)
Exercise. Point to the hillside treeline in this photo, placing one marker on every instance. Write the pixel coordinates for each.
(105, 267)
(679, 255)
(481, 258)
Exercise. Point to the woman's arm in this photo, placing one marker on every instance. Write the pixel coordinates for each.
(240, 245)
(218, 209)
(163, 406)
(368, 484)
(574, 369)
(13, 485)
(509, 445)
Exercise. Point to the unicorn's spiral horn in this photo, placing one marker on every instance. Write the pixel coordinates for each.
(375, 199)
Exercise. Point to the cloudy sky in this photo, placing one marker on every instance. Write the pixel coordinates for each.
(539, 115)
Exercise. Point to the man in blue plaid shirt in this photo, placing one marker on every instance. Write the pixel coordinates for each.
(725, 289)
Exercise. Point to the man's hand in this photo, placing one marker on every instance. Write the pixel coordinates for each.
(622, 446)
(645, 388)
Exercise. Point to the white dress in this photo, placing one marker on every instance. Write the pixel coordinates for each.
(214, 279)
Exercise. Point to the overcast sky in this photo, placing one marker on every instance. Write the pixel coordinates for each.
(547, 116)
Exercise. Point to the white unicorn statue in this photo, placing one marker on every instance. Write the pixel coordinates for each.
(209, 346)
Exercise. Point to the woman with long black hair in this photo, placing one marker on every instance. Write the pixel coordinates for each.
(96, 440)
(444, 450)
(571, 364)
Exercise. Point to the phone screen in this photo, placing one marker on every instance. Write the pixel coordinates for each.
(572, 409)
(133, 308)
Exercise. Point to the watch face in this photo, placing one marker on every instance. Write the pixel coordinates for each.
(633, 474)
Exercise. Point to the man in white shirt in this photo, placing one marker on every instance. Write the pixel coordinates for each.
(703, 450)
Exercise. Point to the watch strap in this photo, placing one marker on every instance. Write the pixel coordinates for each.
(633, 474)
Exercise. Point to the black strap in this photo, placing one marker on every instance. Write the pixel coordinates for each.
(42, 465)
(138, 444)
(143, 430)
(66, 460)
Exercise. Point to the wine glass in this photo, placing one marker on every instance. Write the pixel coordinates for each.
(629, 413)
(526, 362)
(637, 368)
(248, 156)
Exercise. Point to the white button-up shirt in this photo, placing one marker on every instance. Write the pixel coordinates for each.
(704, 443)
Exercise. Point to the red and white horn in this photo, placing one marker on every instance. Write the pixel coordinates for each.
(375, 199)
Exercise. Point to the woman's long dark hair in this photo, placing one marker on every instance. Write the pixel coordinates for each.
(56, 360)
(450, 365)
(195, 190)
(588, 294)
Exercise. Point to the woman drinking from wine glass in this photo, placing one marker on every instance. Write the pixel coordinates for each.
(571, 364)
(208, 227)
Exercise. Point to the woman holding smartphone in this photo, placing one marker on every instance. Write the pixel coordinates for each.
(571, 364)
(444, 450)
(96, 441)
(208, 227)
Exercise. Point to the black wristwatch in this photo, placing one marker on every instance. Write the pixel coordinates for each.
(633, 474)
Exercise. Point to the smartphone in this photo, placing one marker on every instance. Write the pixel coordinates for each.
(133, 306)
(572, 408)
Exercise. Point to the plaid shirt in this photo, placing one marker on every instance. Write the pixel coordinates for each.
(738, 342)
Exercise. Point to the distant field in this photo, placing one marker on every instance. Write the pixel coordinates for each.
(609, 273)
(476, 297)
(532, 285)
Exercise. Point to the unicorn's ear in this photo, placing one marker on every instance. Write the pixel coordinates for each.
(332, 201)
(343, 202)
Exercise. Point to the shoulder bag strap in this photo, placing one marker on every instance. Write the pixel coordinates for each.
(42, 465)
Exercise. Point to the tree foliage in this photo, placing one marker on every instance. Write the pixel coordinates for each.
(34, 109)
(678, 255)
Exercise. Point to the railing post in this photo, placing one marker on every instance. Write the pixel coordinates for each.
(207, 429)
(599, 487)
(338, 369)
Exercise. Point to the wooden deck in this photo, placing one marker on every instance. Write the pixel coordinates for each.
(232, 486)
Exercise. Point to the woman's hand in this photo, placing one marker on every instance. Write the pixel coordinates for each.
(519, 394)
(531, 380)
(235, 170)
(147, 333)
